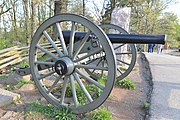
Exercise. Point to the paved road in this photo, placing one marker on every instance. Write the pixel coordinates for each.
(165, 99)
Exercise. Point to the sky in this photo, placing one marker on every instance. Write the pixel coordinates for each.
(174, 8)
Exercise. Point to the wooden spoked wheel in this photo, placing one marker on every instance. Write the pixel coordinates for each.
(58, 68)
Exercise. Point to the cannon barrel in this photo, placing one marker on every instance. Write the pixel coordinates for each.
(137, 39)
(123, 38)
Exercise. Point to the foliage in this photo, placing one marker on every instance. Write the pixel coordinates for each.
(18, 21)
(42, 58)
(147, 17)
(92, 89)
(3, 44)
(123, 68)
(3, 76)
(146, 105)
(135, 69)
(101, 113)
(126, 83)
(24, 64)
(20, 83)
(49, 111)
(36, 108)
(177, 36)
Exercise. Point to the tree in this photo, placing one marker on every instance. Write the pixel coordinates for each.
(169, 25)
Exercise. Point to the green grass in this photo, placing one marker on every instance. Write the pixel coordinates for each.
(24, 64)
(18, 85)
(43, 58)
(51, 112)
(101, 113)
(92, 89)
(135, 69)
(22, 82)
(122, 68)
(3, 76)
(126, 83)
(35, 109)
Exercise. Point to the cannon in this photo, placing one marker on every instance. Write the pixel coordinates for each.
(84, 65)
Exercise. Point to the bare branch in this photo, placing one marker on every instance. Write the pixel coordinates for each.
(5, 11)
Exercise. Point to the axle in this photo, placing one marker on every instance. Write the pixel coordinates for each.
(123, 38)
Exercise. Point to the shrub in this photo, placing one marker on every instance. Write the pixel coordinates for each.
(146, 105)
(101, 114)
(126, 83)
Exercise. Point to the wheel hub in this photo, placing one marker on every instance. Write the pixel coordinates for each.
(64, 66)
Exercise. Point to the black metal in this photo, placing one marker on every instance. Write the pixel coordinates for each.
(26, 70)
(122, 38)
(61, 67)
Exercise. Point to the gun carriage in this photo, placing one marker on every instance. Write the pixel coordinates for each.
(84, 61)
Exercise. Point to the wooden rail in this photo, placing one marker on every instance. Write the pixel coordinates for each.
(15, 55)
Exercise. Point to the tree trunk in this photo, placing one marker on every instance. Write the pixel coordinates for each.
(60, 6)
(27, 22)
(14, 22)
(34, 6)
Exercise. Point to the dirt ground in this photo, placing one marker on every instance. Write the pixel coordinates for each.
(124, 104)
(128, 104)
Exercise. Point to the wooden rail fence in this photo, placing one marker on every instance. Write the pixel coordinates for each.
(14, 55)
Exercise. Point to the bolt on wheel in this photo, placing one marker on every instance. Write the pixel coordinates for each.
(58, 63)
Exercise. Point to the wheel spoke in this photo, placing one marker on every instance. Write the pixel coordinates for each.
(91, 61)
(119, 71)
(45, 75)
(89, 54)
(73, 90)
(63, 92)
(83, 87)
(52, 43)
(81, 44)
(91, 67)
(47, 52)
(102, 66)
(123, 62)
(123, 53)
(61, 38)
(90, 79)
(44, 63)
(71, 43)
(97, 65)
(53, 85)
(119, 46)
